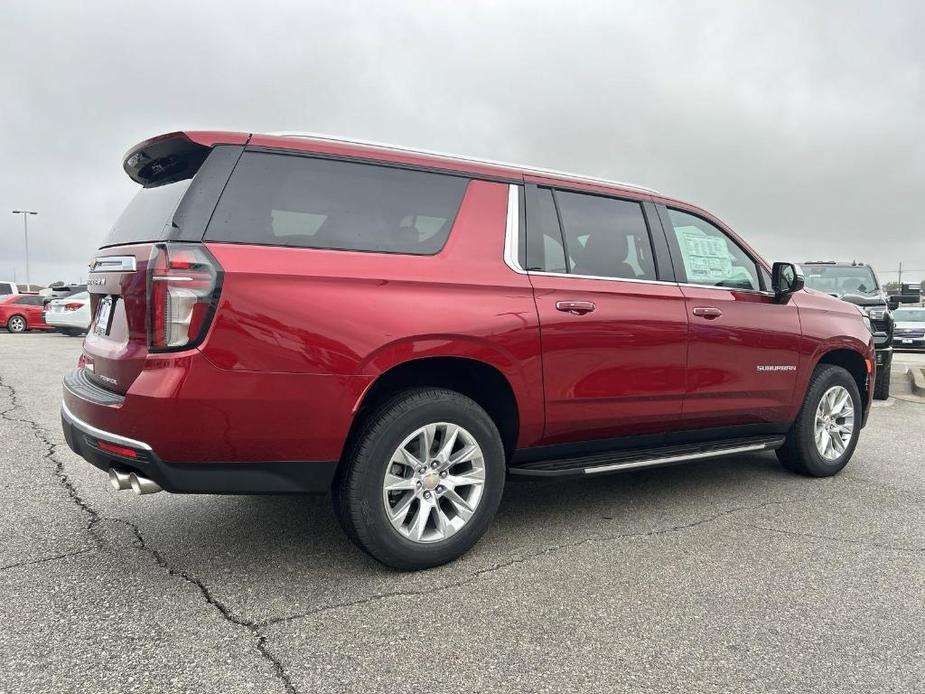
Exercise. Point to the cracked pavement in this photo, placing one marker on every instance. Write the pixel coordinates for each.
(727, 575)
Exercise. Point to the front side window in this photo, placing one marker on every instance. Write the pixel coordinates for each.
(709, 256)
(288, 200)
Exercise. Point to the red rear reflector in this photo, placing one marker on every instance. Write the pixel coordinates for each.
(118, 450)
(73, 307)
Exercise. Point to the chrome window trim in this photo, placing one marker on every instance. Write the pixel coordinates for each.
(512, 248)
(100, 433)
(512, 230)
(543, 273)
(114, 263)
(726, 289)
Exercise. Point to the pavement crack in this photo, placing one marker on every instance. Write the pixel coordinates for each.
(226, 612)
(835, 538)
(476, 575)
(42, 434)
(94, 518)
(43, 560)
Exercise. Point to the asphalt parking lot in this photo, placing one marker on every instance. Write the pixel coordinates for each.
(719, 576)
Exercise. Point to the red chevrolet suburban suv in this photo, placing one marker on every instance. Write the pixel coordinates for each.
(287, 313)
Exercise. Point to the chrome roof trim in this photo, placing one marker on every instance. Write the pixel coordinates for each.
(462, 158)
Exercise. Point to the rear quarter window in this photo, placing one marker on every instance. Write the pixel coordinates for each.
(305, 202)
(148, 216)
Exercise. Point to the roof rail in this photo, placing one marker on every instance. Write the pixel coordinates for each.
(459, 157)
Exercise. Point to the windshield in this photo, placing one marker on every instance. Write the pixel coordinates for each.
(839, 280)
(912, 315)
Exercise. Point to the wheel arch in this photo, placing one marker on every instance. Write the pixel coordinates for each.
(853, 362)
(481, 381)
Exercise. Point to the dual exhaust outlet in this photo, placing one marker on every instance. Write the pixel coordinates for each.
(119, 480)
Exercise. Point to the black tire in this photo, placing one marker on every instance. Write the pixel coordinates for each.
(73, 332)
(882, 384)
(358, 487)
(17, 324)
(799, 453)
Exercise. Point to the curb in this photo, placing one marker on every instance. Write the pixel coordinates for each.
(917, 377)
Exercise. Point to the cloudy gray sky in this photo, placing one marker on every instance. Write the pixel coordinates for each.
(800, 124)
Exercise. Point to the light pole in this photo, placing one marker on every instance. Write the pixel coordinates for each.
(25, 228)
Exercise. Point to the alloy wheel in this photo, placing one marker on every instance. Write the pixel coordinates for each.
(433, 482)
(834, 423)
(16, 324)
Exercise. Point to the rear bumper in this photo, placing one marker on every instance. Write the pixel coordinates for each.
(190, 411)
(66, 320)
(289, 477)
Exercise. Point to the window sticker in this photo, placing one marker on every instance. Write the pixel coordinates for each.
(707, 258)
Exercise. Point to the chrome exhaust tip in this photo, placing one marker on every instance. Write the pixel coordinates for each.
(119, 480)
(142, 485)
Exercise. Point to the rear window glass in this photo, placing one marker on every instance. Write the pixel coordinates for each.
(148, 216)
(286, 200)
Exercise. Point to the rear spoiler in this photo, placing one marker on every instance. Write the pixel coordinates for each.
(174, 156)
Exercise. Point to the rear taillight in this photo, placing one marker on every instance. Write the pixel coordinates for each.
(73, 306)
(183, 285)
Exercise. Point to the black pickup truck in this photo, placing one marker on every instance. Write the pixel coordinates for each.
(857, 283)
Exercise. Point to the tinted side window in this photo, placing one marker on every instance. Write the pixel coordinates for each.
(285, 200)
(147, 217)
(709, 256)
(544, 238)
(29, 301)
(605, 237)
(5, 288)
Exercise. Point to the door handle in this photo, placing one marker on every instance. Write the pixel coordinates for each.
(708, 312)
(577, 308)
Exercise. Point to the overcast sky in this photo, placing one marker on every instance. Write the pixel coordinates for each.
(800, 124)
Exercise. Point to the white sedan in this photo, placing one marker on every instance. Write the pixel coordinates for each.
(70, 315)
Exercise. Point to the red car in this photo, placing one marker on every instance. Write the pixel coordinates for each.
(22, 312)
(294, 314)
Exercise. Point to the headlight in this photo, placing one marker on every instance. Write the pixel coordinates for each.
(870, 328)
(878, 313)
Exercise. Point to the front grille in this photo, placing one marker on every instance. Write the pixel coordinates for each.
(880, 326)
(909, 332)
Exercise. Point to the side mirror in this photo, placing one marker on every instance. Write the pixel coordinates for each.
(786, 278)
(892, 302)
